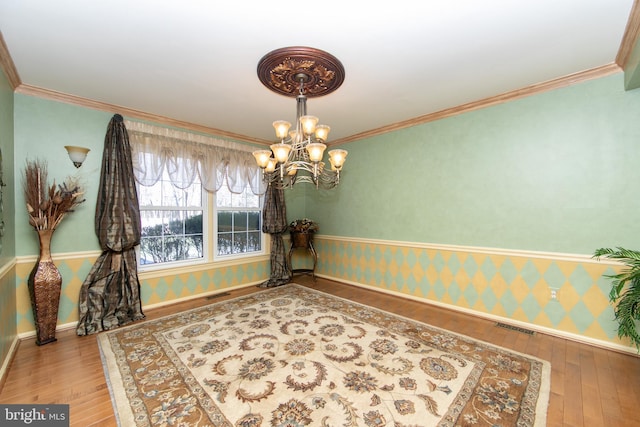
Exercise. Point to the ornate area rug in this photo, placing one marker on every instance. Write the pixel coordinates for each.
(291, 356)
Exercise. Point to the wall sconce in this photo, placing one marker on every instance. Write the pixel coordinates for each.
(77, 154)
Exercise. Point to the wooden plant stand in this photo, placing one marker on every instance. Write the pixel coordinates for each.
(303, 241)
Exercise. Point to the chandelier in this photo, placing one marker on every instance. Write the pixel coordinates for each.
(301, 72)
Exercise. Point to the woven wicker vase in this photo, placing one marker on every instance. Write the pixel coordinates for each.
(45, 283)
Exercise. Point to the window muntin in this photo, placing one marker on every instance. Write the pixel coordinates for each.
(238, 223)
(173, 223)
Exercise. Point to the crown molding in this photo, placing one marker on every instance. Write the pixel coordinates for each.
(571, 79)
(7, 65)
(131, 113)
(631, 35)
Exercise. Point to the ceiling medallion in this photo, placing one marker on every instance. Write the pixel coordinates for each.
(298, 157)
(282, 71)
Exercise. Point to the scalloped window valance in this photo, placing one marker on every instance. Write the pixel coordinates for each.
(186, 156)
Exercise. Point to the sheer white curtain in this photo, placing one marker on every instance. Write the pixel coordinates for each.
(186, 155)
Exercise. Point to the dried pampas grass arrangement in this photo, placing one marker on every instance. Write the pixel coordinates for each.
(47, 204)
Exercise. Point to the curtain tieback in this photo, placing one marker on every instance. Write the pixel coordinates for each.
(116, 261)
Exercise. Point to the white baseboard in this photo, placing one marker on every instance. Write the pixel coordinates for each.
(59, 328)
(541, 329)
(202, 295)
(74, 325)
(7, 360)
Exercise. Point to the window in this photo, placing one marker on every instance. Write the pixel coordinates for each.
(173, 223)
(238, 222)
(188, 213)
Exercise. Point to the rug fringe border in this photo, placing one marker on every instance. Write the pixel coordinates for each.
(542, 404)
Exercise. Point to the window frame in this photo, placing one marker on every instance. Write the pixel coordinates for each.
(204, 207)
(210, 234)
(214, 243)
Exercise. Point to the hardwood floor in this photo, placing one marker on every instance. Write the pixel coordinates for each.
(590, 386)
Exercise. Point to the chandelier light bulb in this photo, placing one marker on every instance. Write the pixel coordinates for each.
(281, 152)
(315, 150)
(262, 157)
(337, 158)
(271, 165)
(322, 132)
(281, 127)
(333, 167)
(308, 124)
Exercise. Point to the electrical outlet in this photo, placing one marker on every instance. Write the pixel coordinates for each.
(554, 294)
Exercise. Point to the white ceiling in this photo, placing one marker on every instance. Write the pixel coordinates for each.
(195, 60)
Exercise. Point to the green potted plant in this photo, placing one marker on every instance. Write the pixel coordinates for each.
(625, 291)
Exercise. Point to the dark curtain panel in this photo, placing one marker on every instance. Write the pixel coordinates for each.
(110, 295)
(274, 222)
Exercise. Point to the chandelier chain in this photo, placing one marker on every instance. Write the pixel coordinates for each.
(298, 157)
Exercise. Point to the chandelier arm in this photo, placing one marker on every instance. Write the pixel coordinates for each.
(313, 73)
(324, 182)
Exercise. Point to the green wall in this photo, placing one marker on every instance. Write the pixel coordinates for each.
(7, 248)
(632, 69)
(42, 129)
(8, 329)
(295, 199)
(554, 172)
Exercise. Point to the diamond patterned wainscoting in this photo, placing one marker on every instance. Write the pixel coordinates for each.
(515, 286)
(159, 287)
